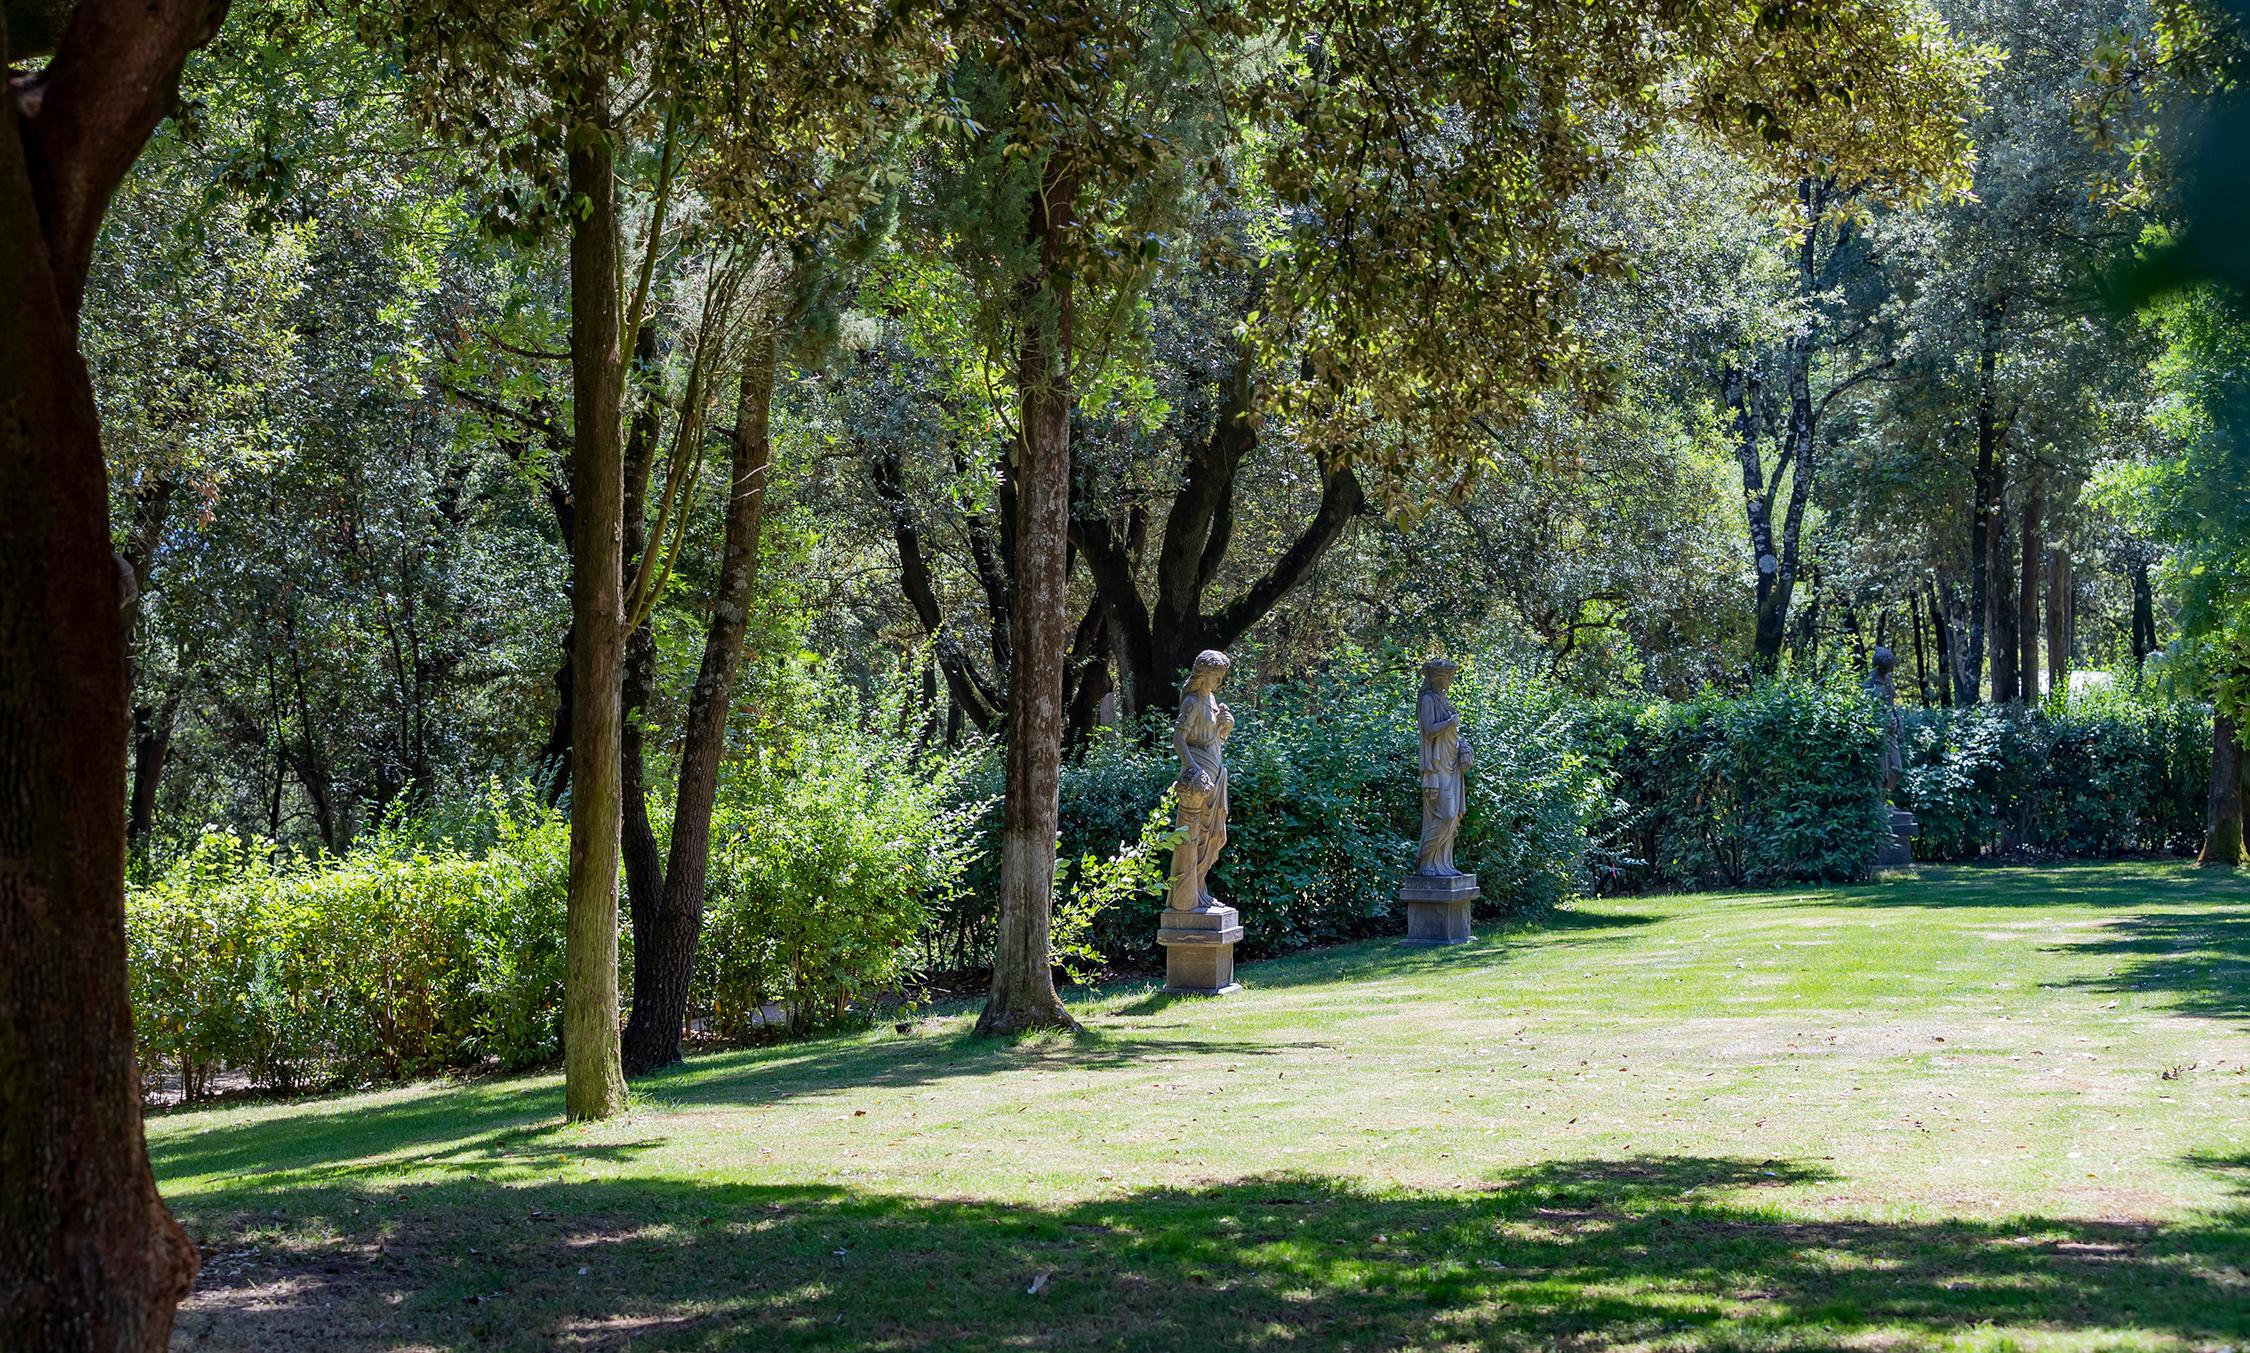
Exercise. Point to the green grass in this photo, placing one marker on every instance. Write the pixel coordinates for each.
(1987, 1109)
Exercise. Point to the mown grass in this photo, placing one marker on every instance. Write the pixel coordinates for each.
(1984, 1109)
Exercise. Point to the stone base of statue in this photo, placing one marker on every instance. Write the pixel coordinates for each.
(1199, 950)
(1437, 907)
(1898, 852)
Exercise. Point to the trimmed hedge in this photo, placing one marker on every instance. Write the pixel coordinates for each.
(395, 962)
(2104, 775)
(1778, 785)
(846, 859)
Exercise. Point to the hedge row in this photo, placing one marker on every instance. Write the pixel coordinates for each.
(847, 860)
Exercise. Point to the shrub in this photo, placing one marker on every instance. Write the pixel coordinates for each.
(1777, 785)
(2104, 774)
(411, 956)
(830, 845)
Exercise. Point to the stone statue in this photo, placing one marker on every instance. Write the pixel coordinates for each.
(1200, 736)
(1880, 690)
(1445, 756)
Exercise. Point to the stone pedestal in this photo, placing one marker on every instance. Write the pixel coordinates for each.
(1437, 908)
(1898, 852)
(1199, 950)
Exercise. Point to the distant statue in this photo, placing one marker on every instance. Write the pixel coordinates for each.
(1200, 736)
(1446, 757)
(1885, 696)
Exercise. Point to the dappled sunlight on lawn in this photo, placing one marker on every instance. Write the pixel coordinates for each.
(1975, 1109)
(1596, 1252)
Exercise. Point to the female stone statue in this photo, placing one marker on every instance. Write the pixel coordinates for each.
(1199, 736)
(1445, 756)
(1881, 691)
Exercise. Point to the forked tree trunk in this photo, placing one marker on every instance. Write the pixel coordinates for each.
(1023, 981)
(2222, 836)
(89, 1257)
(593, 1078)
(664, 942)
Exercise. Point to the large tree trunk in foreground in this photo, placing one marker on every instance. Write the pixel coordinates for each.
(593, 1078)
(2222, 837)
(1023, 980)
(89, 1258)
(664, 941)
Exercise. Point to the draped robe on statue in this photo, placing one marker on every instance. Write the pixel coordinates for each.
(1445, 797)
(1200, 736)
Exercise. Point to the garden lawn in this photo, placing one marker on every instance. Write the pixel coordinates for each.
(1984, 1109)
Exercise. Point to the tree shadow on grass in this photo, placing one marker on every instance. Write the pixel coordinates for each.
(514, 1124)
(2096, 884)
(2199, 960)
(1494, 942)
(1677, 1251)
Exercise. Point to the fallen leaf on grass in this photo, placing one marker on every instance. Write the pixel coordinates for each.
(1038, 1284)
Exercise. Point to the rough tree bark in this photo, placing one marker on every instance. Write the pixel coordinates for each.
(89, 1257)
(1023, 980)
(664, 939)
(2061, 618)
(593, 1076)
(2222, 837)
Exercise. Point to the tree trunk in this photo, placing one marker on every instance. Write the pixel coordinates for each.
(643, 864)
(152, 747)
(593, 1078)
(2033, 581)
(642, 860)
(89, 1257)
(2222, 837)
(1989, 491)
(664, 942)
(2060, 614)
(1023, 981)
(2144, 612)
(2000, 609)
(1944, 639)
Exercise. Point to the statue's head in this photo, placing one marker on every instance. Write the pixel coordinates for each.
(1438, 673)
(1885, 660)
(1209, 670)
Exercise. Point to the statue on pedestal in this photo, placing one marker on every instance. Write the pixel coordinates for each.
(1885, 696)
(1898, 852)
(1200, 736)
(1437, 896)
(1446, 756)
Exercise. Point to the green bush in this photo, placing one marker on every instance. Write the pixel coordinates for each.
(1778, 785)
(409, 957)
(830, 846)
(2104, 774)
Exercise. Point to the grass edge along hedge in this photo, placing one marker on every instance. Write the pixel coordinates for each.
(848, 858)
